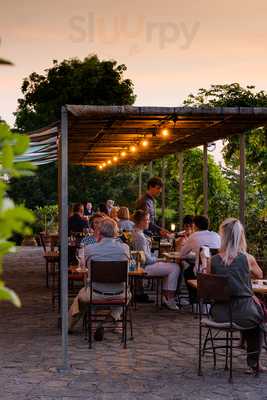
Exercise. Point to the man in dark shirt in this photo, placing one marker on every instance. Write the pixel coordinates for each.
(146, 203)
(76, 221)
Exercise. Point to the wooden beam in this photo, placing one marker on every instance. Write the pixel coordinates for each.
(140, 181)
(64, 237)
(163, 193)
(181, 184)
(242, 182)
(205, 178)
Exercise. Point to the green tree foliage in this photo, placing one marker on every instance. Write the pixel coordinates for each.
(220, 199)
(234, 95)
(90, 81)
(13, 219)
(73, 81)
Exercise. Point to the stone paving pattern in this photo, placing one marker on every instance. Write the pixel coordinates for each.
(161, 362)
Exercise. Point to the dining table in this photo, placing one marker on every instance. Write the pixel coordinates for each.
(259, 286)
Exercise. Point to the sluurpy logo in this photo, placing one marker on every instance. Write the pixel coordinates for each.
(137, 31)
(3, 61)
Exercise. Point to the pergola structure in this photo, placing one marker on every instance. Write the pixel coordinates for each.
(104, 135)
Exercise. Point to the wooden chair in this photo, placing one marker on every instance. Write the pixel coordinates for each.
(215, 289)
(109, 272)
(51, 257)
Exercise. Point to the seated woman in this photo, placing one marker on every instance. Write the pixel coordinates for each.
(124, 220)
(114, 214)
(234, 261)
(183, 236)
(170, 271)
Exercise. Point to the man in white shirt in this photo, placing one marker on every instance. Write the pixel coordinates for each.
(201, 237)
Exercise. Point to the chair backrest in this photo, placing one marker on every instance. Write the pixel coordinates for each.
(43, 240)
(49, 241)
(109, 271)
(213, 288)
(203, 258)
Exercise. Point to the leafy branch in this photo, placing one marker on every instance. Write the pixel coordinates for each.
(13, 218)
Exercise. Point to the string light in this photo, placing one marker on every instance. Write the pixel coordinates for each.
(123, 153)
(145, 143)
(104, 164)
(100, 167)
(109, 161)
(133, 148)
(165, 133)
(115, 158)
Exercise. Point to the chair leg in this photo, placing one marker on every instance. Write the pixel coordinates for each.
(200, 350)
(59, 287)
(125, 327)
(213, 349)
(131, 322)
(53, 289)
(206, 342)
(231, 357)
(85, 326)
(89, 322)
(47, 273)
(226, 351)
(161, 292)
(157, 293)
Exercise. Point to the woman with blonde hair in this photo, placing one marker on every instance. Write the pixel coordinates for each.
(124, 219)
(234, 261)
(114, 214)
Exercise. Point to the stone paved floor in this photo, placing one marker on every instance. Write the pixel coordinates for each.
(159, 364)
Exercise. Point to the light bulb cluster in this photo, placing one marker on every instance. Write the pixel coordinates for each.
(132, 149)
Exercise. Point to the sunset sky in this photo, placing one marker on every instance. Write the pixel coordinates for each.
(171, 47)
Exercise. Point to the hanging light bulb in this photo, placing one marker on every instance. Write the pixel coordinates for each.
(165, 133)
(133, 148)
(115, 158)
(123, 153)
(104, 164)
(144, 143)
(100, 167)
(109, 162)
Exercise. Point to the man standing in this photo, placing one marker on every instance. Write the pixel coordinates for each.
(147, 203)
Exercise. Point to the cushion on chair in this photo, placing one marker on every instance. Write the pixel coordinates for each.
(108, 301)
(51, 255)
(76, 276)
(210, 323)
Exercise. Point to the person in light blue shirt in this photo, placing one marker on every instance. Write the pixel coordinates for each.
(107, 248)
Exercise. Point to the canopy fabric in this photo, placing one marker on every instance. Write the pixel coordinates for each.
(43, 147)
(98, 133)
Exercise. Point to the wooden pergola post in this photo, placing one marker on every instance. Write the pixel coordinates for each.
(205, 178)
(140, 181)
(163, 193)
(63, 173)
(151, 169)
(242, 191)
(181, 184)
